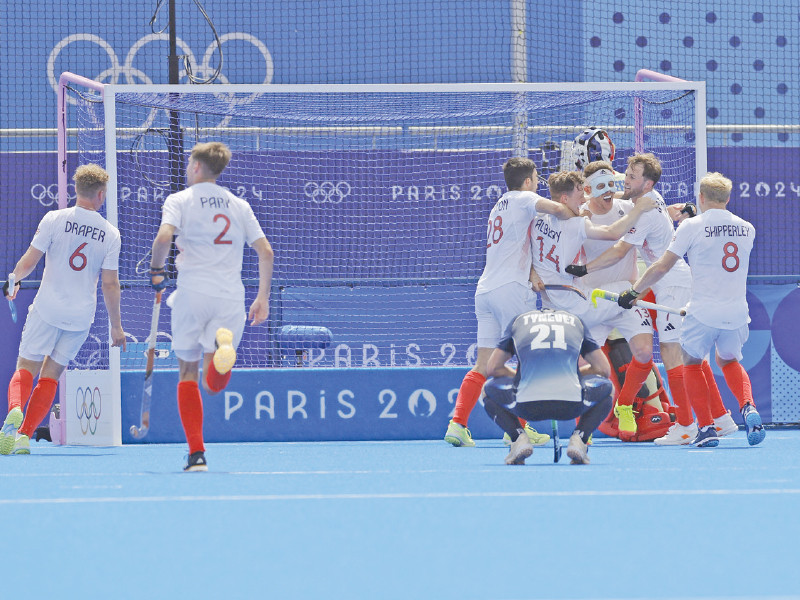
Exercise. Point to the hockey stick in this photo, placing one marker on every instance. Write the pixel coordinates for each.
(564, 288)
(612, 297)
(556, 442)
(147, 391)
(12, 281)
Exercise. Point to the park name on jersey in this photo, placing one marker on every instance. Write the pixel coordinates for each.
(214, 202)
(96, 233)
(727, 231)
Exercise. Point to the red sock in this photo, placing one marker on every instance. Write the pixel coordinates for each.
(635, 376)
(697, 389)
(19, 390)
(468, 395)
(215, 381)
(683, 408)
(714, 397)
(739, 382)
(190, 407)
(42, 398)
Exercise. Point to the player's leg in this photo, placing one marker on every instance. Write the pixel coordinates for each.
(220, 339)
(19, 392)
(500, 394)
(723, 421)
(598, 392)
(729, 353)
(696, 341)
(639, 369)
(190, 409)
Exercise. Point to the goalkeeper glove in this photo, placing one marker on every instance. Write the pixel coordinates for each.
(627, 298)
(158, 278)
(690, 210)
(576, 270)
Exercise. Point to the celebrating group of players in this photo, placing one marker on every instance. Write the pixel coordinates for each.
(588, 236)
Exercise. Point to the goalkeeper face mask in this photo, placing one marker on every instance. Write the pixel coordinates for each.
(601, 182)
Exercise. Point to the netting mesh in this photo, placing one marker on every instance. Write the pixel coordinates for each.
(375, 203)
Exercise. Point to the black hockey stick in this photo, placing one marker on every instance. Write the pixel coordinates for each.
(147, 392)
(556, 442)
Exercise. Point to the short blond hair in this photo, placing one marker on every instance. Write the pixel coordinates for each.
(651, 166)
(563, 182)
(215, 156)
(715, 187)
(89, 179)
(594, 167)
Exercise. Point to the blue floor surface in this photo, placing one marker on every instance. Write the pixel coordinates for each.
(411, 520)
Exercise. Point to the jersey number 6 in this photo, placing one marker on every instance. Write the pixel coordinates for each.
(77, 261)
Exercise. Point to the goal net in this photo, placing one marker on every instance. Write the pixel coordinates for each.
(374, 198)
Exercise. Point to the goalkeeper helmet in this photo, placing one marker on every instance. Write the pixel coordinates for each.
(591, 145)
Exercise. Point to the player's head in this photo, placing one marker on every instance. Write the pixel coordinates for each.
(89, 181)
(516, 170)
(716, 188)
(212, 156)
(566, 187)
(643, 173)
(592, 145)
(600, 181)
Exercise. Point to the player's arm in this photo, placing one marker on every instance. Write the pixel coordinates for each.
(621, 226)
(23, 268)
(158, 258)
(597, 364)
(259, 310)
(537, 285)
(497, 363)
(561, 211)
(111, 296)
(610, 257)
(656, 271)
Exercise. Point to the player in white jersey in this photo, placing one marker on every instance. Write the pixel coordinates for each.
(80, 246)
(208, 308)
(718, 245)
(503, 290)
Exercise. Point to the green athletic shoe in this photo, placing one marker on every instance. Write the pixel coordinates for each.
(537, 439)
(458, 435)
(22, 444)
(9, 431)
(627, 420)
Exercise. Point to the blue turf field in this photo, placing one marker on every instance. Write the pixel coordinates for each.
(416, 520)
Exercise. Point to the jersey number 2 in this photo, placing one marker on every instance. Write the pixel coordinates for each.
(219, 239)
(542, 333)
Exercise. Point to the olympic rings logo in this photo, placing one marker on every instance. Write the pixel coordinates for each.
(130, 74)
(47, 195)
(88, 408)
(327, 191)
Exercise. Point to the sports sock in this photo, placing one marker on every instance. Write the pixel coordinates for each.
(739, 382)
(19, 389)
(215, 381)
(714, 397)
(41, 399)
(190, 408)
(683, 408)
(468, 395)
(697, 390)
(635, 376)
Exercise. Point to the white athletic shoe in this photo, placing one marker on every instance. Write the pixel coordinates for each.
(678, 435)
(224, 355)
(725, 425)
(577, 450)
(520, 449)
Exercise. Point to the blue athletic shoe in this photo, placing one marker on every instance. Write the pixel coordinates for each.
(753, 425)
(706, 438)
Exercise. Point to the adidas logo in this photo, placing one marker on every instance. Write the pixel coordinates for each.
(669, 327)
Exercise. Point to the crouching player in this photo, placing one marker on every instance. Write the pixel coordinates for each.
(548, 383)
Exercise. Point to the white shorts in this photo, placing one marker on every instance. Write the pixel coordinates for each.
(196, 318)
(698, 340)
(40, 339)
(668, 325)
(498, 308)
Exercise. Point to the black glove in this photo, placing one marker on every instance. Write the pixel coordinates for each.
(689, 209)
(576, 270)
(156, 273)
(6, 291)
(626, 298)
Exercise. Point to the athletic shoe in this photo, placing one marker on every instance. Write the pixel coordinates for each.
(520, 449)
(577, 450)
(458, 435)
(9, 431)
(752, 425)
(706, 437)
(196, 462)
(536, 438)
(678, 435)
(627, 420)
(725, 425)
(224, 355)
(22, 444)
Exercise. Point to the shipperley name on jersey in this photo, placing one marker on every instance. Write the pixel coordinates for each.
(85, 230)
(728, 231)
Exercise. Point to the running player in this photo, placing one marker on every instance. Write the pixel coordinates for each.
(548, 383)
(503, 290)
(208, 311)
(718, 245)
(80, 246)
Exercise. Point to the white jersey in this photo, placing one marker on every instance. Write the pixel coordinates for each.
(78, 243)
(556, 243)
(718, 245)
(625, 269)
(652, 235)
(508, 241)
(212, 226)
